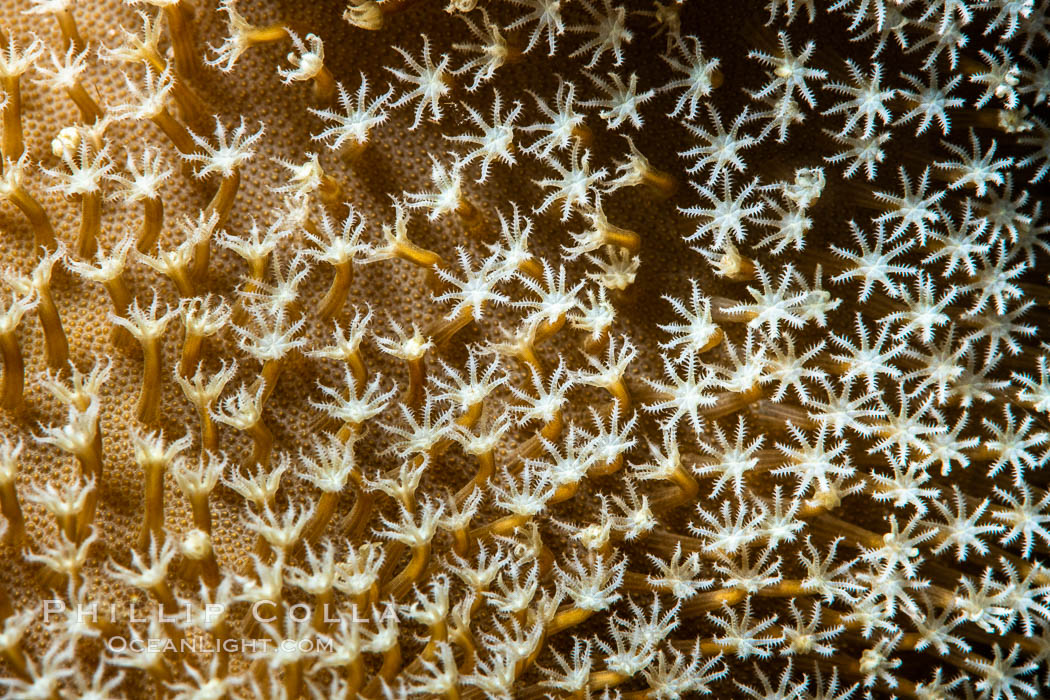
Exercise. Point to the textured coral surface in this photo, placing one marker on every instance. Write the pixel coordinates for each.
(515, 348)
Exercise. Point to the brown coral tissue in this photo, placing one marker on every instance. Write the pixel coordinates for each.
(642, 349)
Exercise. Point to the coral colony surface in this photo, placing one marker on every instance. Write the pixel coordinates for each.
(524, 348)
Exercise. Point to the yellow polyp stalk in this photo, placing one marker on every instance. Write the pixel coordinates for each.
(528, 661)
(881, 305)
(393, 555)
(837, 527)
(422, 257)
(191, 108)
(161, 675)
(222, 203)
(16, 658)
(595, 346)
(565, 618)
(663, 541)
(175, 131)
(121, 298)
(269, 376)
(262, 444)
(330, 190)
(325, 508)
(90, 223)
(90, 459)
(686, 483)
(552, 430)
(324, 603)
(256, 275)
(661, 184)
(461, 541)
(201, 257)
(712, 600)
(639, 583)
(470, 653)
(391, 663)
(335, 298)
(43, 233)
(180, 24)
(730, 403)
(783, 589)
(204, 562)
(12, 144)
(607, 468)
(447, 328)
(981, 453)
(86, 516)
(471, 415)
(13, 512)
(54, 335)
(211, 574)
(191, 352)
(266, 35)
(408, 576)
(352, 151)
(564, 492)
(621, 393)
(263, 550)
(514, 54)
(209, 434)
(68, 25)
(152, 221)
(712, 649)
(355, 675)
(180, 276)
(357, 366)
(324, 86)
(583, 134)
(471, 218)
(548, 328)
(985, 118)
(153, 59)
(811, 509)
(606, 679)
(438, 634)
(530, 267)
(201, 512)
(486, 468)
(716, 79)
(529, 449)
(417, 379)
(741, 269)
(68, 525)
(367, 599)
(148, 405)
(292, 679)
(14, 371)
(715, 341)
(357, 521)
(780, 413)
(504, 526)
(624, 238)
(90, 111)
(348, 431)
(162, 592)
(153, 508)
